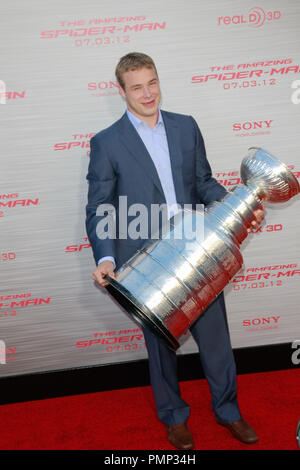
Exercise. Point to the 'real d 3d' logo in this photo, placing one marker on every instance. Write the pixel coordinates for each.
(255, 17)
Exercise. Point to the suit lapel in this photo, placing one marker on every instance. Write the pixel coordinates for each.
(173, 133)
(135, 146)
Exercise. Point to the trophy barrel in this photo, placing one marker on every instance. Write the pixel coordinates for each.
(167, 284)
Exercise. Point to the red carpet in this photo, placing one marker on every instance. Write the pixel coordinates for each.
(126, 419)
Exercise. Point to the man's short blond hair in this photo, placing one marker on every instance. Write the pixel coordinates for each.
(133, 61)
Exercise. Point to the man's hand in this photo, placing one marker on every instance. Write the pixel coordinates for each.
(103, 269)
(259, 215)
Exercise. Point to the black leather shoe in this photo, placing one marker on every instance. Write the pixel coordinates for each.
(240, 430)
(180, 436)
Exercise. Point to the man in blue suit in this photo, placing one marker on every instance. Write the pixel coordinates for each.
(157, 157)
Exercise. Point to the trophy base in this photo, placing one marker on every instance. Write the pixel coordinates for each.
(141, 314)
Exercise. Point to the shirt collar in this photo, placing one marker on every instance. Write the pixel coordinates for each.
(137, 121)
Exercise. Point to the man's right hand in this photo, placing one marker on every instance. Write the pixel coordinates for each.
(103, 269)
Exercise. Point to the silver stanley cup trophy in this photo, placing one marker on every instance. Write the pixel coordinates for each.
(170, 282)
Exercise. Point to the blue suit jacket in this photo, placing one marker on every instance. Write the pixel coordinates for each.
(120, 165)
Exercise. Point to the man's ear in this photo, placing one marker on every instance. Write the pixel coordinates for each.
(121, 91)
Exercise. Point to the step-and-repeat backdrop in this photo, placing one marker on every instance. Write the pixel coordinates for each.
(234, 66)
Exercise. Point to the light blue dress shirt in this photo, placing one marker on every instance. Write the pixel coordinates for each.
(155, 140)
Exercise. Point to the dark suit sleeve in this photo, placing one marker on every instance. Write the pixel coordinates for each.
(102, 181)
(208, 189)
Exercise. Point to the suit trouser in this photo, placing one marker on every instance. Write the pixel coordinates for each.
(211, 334)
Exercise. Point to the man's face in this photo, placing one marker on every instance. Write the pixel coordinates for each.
(142, 93)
